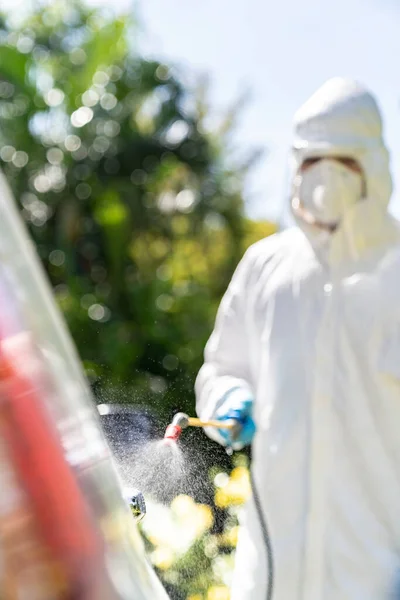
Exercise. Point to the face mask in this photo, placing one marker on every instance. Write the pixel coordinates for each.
(326, 190)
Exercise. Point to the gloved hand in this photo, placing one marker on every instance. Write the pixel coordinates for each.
(241, 410)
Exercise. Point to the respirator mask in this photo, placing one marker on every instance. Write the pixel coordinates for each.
(324, 191)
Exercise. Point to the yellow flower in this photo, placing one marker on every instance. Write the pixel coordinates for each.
(240, 474)
(195, 597)
(162, 558)
(204, 517)
(236, 491)
(222, 498)
(218, 592)
(230, 496)
(231, 536)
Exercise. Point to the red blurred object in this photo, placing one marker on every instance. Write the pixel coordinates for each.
(173, 432)
(63, 519)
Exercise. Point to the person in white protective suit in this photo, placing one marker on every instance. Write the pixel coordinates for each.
(306, 351)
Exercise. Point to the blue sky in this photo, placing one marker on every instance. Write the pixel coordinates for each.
(282, 51)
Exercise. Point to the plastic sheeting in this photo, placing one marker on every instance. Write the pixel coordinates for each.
(65, 529)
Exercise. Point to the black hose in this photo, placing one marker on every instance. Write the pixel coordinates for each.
(266, 538)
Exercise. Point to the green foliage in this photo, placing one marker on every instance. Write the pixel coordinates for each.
(135, 207)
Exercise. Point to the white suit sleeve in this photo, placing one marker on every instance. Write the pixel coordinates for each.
(226, 368)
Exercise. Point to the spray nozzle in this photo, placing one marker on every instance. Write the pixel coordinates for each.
(174, 430)
(172, 433)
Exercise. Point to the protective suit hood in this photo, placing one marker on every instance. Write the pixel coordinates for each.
(343, 119)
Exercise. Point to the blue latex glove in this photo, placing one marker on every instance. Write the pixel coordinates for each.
(241, 411)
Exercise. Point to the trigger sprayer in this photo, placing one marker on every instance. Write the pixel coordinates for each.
(172, 434)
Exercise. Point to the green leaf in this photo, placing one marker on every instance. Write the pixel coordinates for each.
(113, 217)
(107, 46)
(14, 66)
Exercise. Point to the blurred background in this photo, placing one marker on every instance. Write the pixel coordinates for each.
(147, 144)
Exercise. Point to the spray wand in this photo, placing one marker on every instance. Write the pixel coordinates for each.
(181, 421)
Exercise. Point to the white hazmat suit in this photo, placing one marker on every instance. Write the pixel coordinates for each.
(310, 328)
